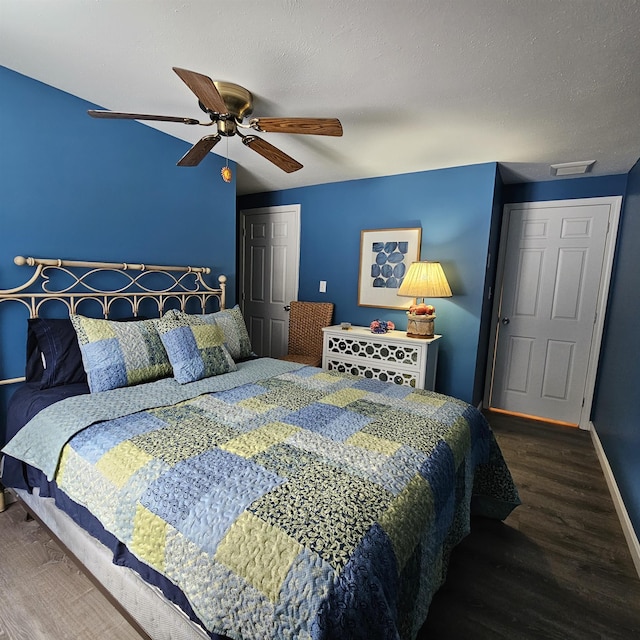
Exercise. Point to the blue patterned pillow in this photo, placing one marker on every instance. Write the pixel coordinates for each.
(196, 348)
(120, 354)
(236, 337)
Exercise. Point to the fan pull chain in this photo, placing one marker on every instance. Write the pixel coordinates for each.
(226, 171)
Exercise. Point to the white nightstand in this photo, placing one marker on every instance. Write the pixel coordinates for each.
(390, 357)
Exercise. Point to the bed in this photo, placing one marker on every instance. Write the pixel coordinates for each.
(220, 495)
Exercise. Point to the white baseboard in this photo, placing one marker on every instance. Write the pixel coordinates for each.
(621, 510)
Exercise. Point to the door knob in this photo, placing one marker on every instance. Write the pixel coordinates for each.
(505, 321)
(287, 308)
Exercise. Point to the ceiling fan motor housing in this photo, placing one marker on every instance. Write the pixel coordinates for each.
(239, 100)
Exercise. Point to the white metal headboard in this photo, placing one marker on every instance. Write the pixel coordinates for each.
(72, 282)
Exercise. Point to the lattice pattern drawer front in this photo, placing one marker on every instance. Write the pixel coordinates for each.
(390, 357)
(389, 353)
(369, 370)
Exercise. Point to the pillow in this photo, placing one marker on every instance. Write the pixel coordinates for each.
(53, 353)
(236, 337)
(119, 354)
(196, 348)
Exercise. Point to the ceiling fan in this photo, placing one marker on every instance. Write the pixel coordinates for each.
(228, 106)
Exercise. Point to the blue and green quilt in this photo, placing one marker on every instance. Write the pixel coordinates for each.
(302, 504)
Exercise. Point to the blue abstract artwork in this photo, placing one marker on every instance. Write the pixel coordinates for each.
(388, 264)
(385, 257)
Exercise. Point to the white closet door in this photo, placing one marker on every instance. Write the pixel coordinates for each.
(553, 263)
(270, 265)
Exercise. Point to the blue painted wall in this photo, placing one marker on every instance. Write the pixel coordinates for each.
(486, 318)
(616, 413)
(78, 188)
(454, 209)
(566, 189)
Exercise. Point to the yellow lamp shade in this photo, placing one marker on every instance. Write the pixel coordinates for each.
(425, 280)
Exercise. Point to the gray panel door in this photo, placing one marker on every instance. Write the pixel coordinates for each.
(550, 289)
(270, 264)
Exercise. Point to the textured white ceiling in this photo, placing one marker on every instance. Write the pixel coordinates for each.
(417, 85)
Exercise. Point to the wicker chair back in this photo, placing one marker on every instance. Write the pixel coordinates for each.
(306, 320)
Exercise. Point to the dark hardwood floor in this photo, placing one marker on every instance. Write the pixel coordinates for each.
(557, 568)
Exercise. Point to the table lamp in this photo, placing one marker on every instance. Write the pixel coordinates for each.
(424, 279)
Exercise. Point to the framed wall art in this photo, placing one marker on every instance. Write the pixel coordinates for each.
(385, 256)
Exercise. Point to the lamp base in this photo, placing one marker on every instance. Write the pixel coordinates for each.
(420, 326)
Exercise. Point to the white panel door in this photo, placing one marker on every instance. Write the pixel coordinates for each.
(270, 263)
(552, 287)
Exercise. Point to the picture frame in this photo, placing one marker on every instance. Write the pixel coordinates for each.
(385, 256)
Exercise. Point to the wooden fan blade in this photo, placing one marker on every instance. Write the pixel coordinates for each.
(313, 126)
(139, 116)
(197, 153)
(271, 153)
(204, 90)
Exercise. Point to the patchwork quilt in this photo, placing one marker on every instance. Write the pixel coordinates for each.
(303, 505)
